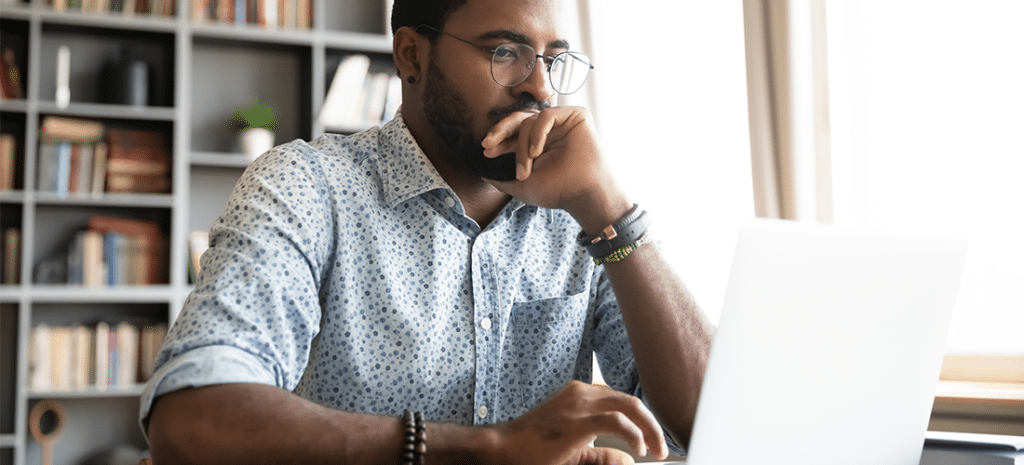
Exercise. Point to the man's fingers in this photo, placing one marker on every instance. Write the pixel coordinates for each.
(507, 127)
(604, 456)
(619, 424)
(640, 415)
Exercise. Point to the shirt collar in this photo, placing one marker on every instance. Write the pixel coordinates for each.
(406, 171)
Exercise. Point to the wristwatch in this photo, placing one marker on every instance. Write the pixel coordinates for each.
(617, 235)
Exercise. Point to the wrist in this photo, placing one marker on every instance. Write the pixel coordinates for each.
(594, 213)
(463, 444)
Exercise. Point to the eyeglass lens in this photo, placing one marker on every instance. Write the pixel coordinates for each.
(513, 63)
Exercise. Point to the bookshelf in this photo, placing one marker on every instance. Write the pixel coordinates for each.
(197, 71)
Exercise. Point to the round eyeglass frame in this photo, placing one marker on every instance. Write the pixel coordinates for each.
(549, 61)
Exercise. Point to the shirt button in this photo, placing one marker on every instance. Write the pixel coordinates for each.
(450, 202)
(485, 323)
(482, 413)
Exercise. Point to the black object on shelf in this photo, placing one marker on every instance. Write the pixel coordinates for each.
(125, 81)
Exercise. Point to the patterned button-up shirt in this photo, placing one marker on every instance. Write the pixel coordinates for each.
(346, 270)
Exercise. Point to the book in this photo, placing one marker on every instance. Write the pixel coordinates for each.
(394, 99)
(11, 86)
(344, 93)
(287, 12)
(81, 356)
(198, 242)
(151, 340)
(8, 147)
(304, 14)
(39, 357)
(127, 355)
(11, 271)
(62, 128)
(101, 356)
(60, 358)
(99, 169)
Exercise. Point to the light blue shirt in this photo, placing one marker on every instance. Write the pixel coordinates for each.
(346, 270)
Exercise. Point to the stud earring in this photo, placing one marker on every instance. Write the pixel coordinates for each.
(411, 80)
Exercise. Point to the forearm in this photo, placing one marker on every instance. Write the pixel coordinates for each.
(255, 423)
(669, 333)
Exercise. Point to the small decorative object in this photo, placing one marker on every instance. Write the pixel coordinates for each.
(63, 97)
(48, 415)
(260, 120)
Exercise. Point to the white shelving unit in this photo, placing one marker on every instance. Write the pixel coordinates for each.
(201, 72)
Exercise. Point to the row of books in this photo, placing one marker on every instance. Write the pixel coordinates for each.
(99, 356)
(112, 251)
(286, 14)
(82, 156)
(8, 160)
(126, 7)
(358, 99)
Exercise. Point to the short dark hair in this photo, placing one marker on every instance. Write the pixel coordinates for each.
(414, 13)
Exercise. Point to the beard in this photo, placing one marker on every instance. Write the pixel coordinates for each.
(448, 114)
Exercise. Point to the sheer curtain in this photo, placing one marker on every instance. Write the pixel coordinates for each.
(669, 97)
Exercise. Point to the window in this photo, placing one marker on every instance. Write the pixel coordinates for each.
(669, 97)
(927, 109)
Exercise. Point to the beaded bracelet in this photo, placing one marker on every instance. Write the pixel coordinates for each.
(621, 254)
(415, 445)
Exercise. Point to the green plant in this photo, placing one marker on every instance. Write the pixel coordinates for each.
(258, 114)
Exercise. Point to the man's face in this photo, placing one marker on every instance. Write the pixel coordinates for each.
(462, 101)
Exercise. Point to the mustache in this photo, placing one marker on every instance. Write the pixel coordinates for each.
(528, 102)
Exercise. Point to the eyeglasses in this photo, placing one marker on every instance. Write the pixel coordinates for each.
(512, 63)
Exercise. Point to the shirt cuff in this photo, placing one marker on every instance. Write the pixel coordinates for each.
(203, 366)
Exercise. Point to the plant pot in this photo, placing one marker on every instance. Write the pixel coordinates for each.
(255, 141)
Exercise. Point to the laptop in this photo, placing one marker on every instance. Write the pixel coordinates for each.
(829, 347)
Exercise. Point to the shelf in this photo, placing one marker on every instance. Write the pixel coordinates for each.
(10, 294)
(8, 440)
(133, 22)
(106, 200)
(92, 392)
(106, 110)
(14, 105)
(220, 159)
(252, 33)
(16, 11)
(12, 196)
(57, 293)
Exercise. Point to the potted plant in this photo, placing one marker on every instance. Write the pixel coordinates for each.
(260, 120)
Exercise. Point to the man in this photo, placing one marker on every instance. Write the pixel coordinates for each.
(355, 278)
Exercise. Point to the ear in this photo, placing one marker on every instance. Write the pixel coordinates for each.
(410, 51)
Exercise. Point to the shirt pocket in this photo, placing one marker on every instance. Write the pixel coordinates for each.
(546, 337)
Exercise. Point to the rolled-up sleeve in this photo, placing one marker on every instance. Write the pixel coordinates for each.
(255, 309)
